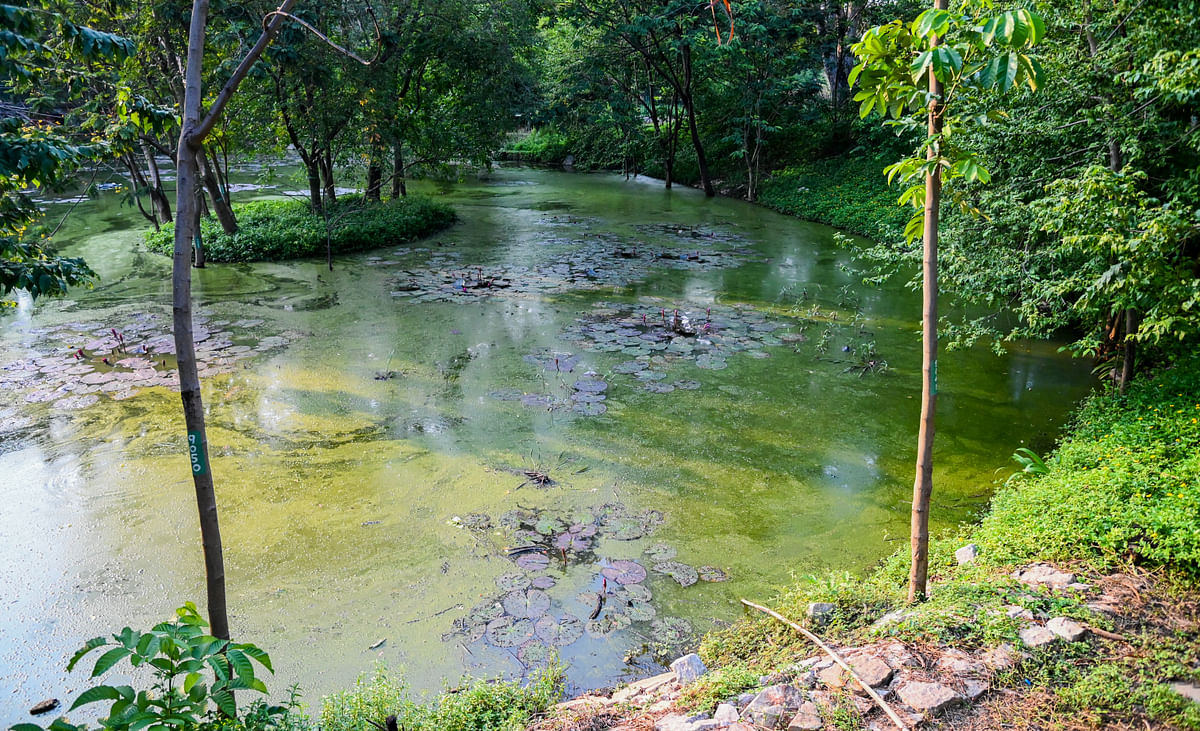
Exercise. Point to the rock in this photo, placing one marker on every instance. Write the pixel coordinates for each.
(1079, 586)
(1018, 612)
(646, 685)
(1068, 629)
(1037, 636)
(974, 687)
(966, 554)
(821, 612)
(658, 707)
(688, 668)
(744, 700)
(44, 707)
(928, 697)
(673, 722)
(1044, 575)
(872, 670)
(957, 662)
(772, 705)
(1191, 691)
(893, 617)
(1002, 657)
(808, 718)
(725, 713)
(584, 703)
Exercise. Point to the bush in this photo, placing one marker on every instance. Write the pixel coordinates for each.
(848, 192)
(479, 705)
(288, 229)
(541, 146)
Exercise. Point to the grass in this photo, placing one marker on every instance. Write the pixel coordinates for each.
(477, 705)
(543, 146)
(288, 229)
(847, 192)
(1122, 494)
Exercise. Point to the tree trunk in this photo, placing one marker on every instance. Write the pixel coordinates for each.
(220, 202)
(375, 173)
(327, 183)
(923, 484)
(139, 185)
(399, 188)
(1129, 348)
(162, 205)
(191, 137)
(693, 129)
(198, 257)
(181, 286)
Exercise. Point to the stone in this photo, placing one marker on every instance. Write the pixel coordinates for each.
(744, 700)
(1191, 691)
(773, 705)
(645, 685)
(658, 707)
(966, 554)
(44, 707)
(725, 713)
(673, 722)
(1017, 612)
(584, 703)
(1002, 657)
(808, 718)
(1044, 575)
(1037, 636)
(974, 687)
(688, 669)
(821, 612)
(893, 617)
(1068, 629)
(928, 697)
(957, 662)
(872, 670)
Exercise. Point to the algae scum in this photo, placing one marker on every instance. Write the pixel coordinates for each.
(581, 423)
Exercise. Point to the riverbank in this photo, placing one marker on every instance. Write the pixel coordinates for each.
(1072, 604)
(276, 230)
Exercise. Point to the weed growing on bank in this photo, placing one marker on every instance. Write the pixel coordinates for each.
(847, 192)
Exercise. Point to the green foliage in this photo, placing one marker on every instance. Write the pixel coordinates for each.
(477, 705)
(278, 230)
(541, 145)
(195, 675)
(718, 686)
(844, 192)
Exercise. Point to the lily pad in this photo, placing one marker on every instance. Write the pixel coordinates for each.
(534, 653)
(590, 409)
(543, 582)
(625, 572)
(486, 611)
(650, 375)
(572, 542)
(608, 623)
(591, 385)
(518, 519)
(634, 593)
(513, 581)
(528, 604)
(671, 630)
(506, 394)
(627, 528)
(660, 552)
(629, 367)
(640, 611)
(509, 631)
(549, 525)
(711, 573)
(687, 385)
(533, 561)
(559, 632)
(658, 387)
(476, 521)
(681, 572)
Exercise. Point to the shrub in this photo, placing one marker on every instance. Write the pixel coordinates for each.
(288, 229)
(541, 146)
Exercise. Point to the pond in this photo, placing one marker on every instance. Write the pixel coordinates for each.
(442, 457)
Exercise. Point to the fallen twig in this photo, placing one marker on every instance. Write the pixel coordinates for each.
(1105, 634)
(836, 658)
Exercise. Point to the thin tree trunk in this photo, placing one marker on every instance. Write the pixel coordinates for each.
(330, 188)
(399, 188)
(375, 172)
(220, 203)
(162, 205)
(923, 484)
(191, 137)
(198, 257)
(1129, 348)
(139, 185)
(693, 128)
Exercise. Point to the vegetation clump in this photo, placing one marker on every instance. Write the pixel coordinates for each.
(274, 230)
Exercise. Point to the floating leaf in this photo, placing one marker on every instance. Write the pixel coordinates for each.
(486, 611)
(509, 631)
(633, 593)
(711, 573)
(543, 582)
(534, 653)
(549, 525)
(590, 409)
(681, 572)
(591, 385)
(625, 572)
(660, 552)
(607, 623)
(657, 387)
(572, 542)
(560, 632)
(528, 604)
(640, 611)
(533, 561)
(513, 581)
(671, 630)
(626, 529)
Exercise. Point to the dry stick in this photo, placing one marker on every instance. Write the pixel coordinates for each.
(837, 658)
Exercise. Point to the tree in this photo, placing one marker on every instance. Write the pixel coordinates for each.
(35, 149)
(952, 54)
(194, 129)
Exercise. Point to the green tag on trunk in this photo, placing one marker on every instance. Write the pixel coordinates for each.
(196, 452)
(933, 378)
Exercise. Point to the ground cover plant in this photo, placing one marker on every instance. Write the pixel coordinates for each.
(289, 229)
